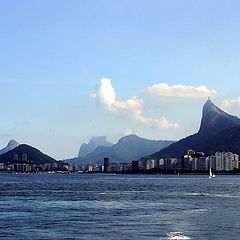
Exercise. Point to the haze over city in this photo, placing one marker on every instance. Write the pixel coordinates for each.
(112, 68)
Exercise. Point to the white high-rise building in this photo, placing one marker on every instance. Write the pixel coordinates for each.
(235, 163)
(150, 164)
(219, 161)
(226, 161)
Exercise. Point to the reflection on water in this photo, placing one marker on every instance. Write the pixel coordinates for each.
(141, 207)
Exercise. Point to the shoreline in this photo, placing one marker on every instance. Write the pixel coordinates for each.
(118, 173)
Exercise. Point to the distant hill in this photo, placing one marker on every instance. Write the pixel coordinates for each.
(97, 141)
(26, 153)
(11, 145)
(219, 131)
(72, 161)
(127, 149)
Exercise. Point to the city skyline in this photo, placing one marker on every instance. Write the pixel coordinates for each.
(72, 71)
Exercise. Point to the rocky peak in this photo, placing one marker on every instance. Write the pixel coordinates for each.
(96, 141)
(128, 138)
(12, 143)
(214, 119)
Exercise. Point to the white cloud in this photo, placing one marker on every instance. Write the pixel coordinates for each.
(163, 91)
(127, 132)
(134, 107)
(157, 123)
(105, 94)
(232, 105)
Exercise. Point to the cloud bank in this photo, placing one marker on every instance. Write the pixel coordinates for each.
(231, 105)
(163, 91)
(133, 107)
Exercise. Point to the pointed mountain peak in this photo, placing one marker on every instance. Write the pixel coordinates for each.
(210, 107)
(12, 143)
(214, 119)
(219, 131)
(96, 141)
(208, 104)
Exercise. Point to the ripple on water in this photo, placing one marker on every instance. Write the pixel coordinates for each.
(177, 236)
(100, 207)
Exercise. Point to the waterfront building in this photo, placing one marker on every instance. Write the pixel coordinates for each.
(106, 164)
(89, 168)
(2, 166)
(16, 167)
(26, 167)
(161, 164)
(141, 165)
(54, 166)
(225, 161)
(150, 164)
(202, 164)
(135, 166)
(114, 167)
(219, 161)
(170, 164)
(235, 163)
(230, 161)
(127, 167)
(190, 152)
(47, 167)
(187, 162)
(194, 164)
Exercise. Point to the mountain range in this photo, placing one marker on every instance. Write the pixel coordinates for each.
(94, 142)
(219, 131)
(127, 149)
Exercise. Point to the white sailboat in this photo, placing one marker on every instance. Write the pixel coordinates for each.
(211, 175)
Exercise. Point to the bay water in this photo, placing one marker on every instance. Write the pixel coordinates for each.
(108, 206)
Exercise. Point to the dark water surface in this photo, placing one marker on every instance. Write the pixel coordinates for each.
(116, 207)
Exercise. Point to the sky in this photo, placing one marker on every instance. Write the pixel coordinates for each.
(70, 70)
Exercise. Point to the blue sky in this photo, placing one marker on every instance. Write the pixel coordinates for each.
(54, 55)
